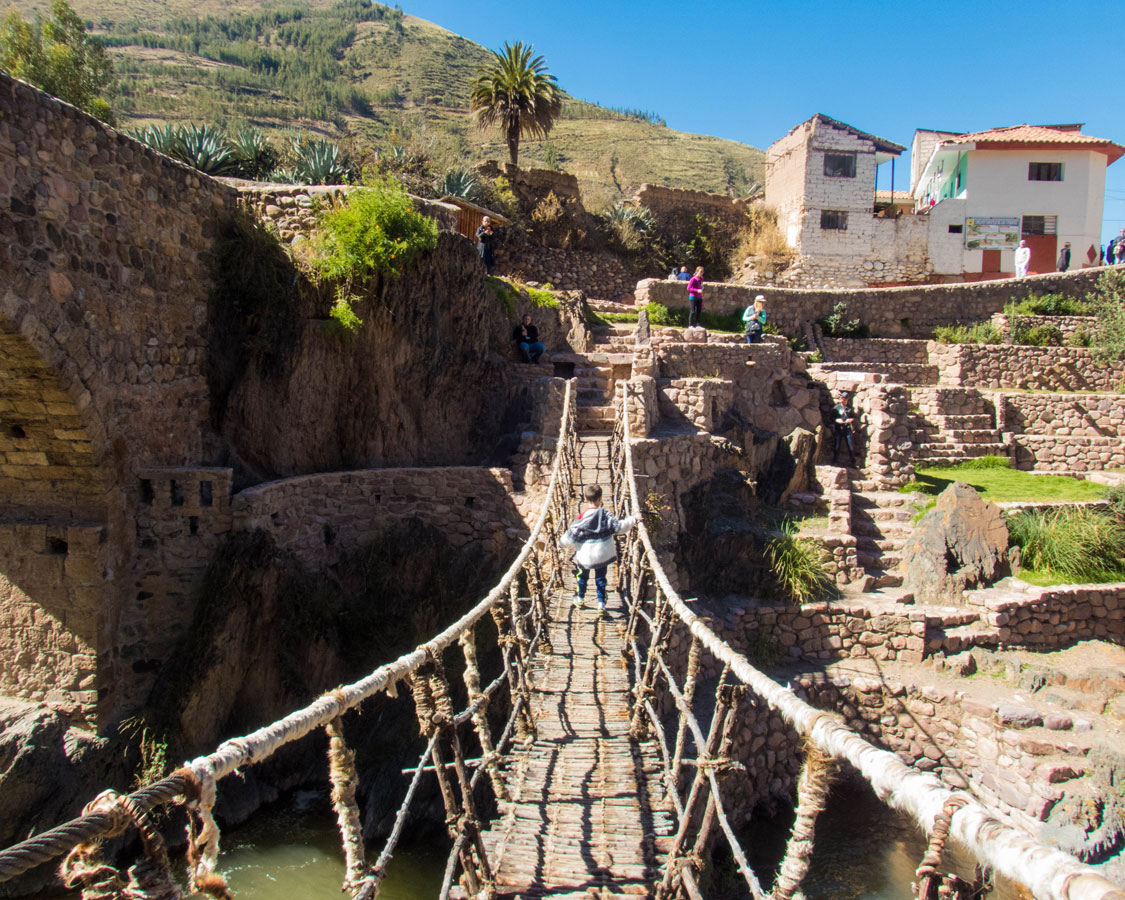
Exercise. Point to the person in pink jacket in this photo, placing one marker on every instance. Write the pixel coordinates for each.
(695, 297)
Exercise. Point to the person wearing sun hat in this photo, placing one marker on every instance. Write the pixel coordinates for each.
(755, 320)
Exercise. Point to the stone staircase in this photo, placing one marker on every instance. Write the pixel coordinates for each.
(597, 372)
(954, 425)
(881, 522)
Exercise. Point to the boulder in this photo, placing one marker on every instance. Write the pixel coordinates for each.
(695, 335)
(643, 333)
(961, 543)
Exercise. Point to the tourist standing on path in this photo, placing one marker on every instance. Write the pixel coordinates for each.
(683, 274)
(592, 533)
(1023, 259)
(755, 320)
(1064, 257)
(695, 297)
(527, 336)
(485, 239)
(1119, 247)
(843, 421)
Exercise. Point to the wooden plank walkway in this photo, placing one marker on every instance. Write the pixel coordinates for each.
(584, 818)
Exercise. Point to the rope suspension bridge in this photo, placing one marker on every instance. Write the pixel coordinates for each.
(606, 780)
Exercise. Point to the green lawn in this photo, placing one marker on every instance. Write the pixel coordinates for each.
(1002, 484)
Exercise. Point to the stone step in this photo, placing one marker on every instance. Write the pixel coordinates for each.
(963, 637)
(949, 448)
(869, 544)
(973, 436)
(881, 578)
(974, 420)
(880, 499)
(882, 514)
(885, 561)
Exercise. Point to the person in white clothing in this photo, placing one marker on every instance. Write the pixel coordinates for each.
(1023, 259)
(592, 533)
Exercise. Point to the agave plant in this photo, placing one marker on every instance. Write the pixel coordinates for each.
(458, 183)
(165, 139)
(282, 176)
(637, 218)
(321, 162)
(207, 149)
(254, 155)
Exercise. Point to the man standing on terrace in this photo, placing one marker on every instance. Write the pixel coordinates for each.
(1023, 259)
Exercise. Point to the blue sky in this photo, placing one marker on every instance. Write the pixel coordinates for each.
(751, 71)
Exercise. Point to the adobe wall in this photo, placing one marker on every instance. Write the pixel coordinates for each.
(599, 275)
(675, 210)
(911, 312)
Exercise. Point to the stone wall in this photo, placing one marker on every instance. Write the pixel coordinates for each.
(873, 251)
(1065, 415)
(319, 518)
(675, 210)
(875, 350)
(1067, 454)
(964, 742)
(826, 631)
(599, 275)
(52, 616)
(911, 312)
(291, 209)
(1024, 367)
(1056, 617)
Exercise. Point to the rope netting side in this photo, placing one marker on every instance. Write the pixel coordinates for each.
(998, 846)
(194, 785)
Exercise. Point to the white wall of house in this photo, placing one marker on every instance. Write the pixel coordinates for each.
(997, 185)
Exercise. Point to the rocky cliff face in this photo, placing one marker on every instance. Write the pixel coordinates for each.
(426, 380)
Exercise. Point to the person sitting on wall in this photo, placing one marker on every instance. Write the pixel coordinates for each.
(695, 297)
(684, 274)
(755, 320)
(486, 237)
(527, 336)
(843, 421)
(1064, 257)
(1023, 259)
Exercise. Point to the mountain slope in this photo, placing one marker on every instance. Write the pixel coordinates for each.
(357, 70)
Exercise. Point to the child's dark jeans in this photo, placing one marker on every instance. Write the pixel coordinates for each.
(599, 581)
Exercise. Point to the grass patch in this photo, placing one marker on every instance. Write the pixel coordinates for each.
(664, 317)
(618, 317)
(1048, 305)
(997, 484)
(982, 333)
(1079, 545)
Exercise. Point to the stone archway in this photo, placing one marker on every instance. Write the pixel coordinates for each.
(52, 538)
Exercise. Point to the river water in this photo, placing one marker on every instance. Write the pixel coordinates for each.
(292, 850)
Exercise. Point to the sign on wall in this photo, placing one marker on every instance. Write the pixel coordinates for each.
(995, 233)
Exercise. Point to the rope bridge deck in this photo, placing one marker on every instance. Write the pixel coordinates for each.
(607, 782)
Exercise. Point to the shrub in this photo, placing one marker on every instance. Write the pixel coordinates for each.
(796, 565)
(1107, 304)
(374, 229)
(628, 226)
(981, 333)
(1048, 305)
(1042, 335)
(1080, 337)
(1080, 544)
(1115, 496)
(837, 324)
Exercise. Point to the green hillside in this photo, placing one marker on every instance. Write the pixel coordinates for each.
(377, 79)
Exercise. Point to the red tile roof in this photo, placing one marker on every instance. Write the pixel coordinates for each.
(1037, 135)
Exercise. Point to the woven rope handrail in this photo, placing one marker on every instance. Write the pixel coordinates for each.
(1050, 873)
(262, 743)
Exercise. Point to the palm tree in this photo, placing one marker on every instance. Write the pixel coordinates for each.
(517, 93)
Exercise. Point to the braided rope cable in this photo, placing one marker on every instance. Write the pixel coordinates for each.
(812, 795)
(1053, 874)
(342, 773)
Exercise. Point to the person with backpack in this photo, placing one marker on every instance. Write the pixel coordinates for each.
(592, 534)
(754, 319)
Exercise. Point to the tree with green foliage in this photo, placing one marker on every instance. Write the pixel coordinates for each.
(60, 57)
(517, 93)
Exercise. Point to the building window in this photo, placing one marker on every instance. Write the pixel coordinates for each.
(1044, 171)
(956, 229)
(833, 220)
(1040, 224)
(839, 165)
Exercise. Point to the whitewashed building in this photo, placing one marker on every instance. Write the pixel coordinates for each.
(982, 193)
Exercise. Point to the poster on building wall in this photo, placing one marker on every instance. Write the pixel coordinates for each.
(994, 233)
